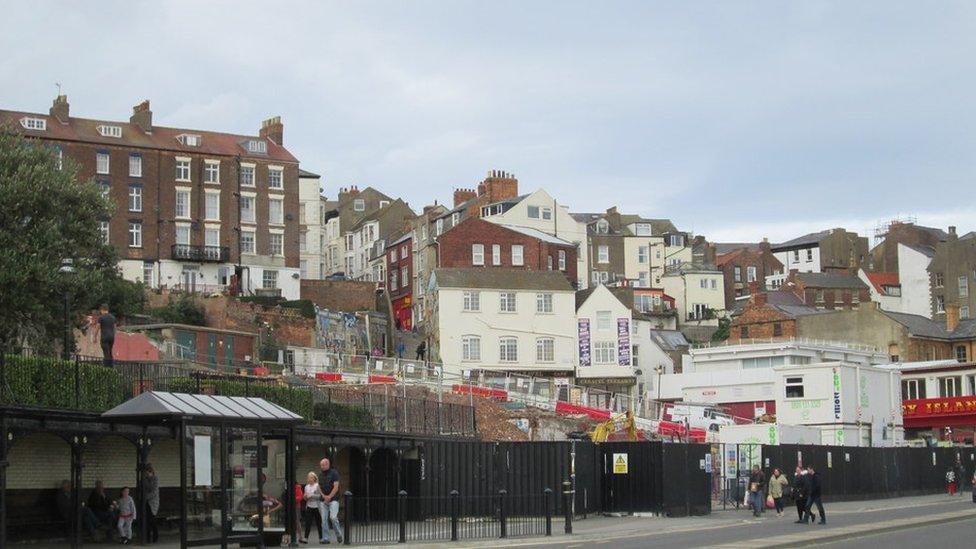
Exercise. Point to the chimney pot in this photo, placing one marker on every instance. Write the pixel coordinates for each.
(60, 108)
(142, 116)
(273, 129)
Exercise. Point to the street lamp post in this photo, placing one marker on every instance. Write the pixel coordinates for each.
(67, 268)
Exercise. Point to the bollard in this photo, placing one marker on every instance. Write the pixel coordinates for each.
(568, 506)
(455, 513)
(547, 505)
(402, 515)
(502, 518)
(347, 519)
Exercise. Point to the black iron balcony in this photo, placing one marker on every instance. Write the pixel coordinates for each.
(186, 252)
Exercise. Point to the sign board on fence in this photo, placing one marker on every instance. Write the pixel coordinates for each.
(202, 461)
(620, 464)
(708, 462)
(847, 457)
(830, 460)
(701, 464)
(933, 458)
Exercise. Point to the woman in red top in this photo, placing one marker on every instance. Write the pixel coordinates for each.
(299, 503)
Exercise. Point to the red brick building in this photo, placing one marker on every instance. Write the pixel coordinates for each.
(478, 243)
(400, 278)
(191, 206)
(742, 267)
(769, 315)
(828, 291)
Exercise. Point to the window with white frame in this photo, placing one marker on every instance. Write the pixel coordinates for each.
(212, 206)
(302, 241)
(676, 240)
(269, 279)
(471, 348)
(276, 244)
(961, 354)
(405, 275)
(101, 162)
(135, 234)
(549, 262)
(256, 146)
(602, 226)
(211, 237)
(455, 219)
(543, 303)
(939, 280)
(643, 229)
(713, 283)
(183, 169)
(496, 254)
(211, 171)
(809, 255)
(247, 209)
(135, 198)
(438, 227)
(247, 175)
(303, 268)
(182, 235)
(532, 212)
(135, 165)
(182, 204)
(604, 352)
(964, 286)
(359, 205)
(477, 254)
(189, 140)
(506, 302)
(545, 349)
(794, 387)
(643, 279)
(699, 311)
(604, 322)
(59, 154)
(110, 131)
(546, 212)
(737, 273)
(642, 254)
(276, 214)
(403, 251)
(275, 178)
(603, 253)
(394, 283)
(751, 273)
(939, 304)
(703, 283)
(912, 389)
(471, 301)
(964, 312)
(562, 260)
(247, 242)
(508, 349)
(103, 227)
(950, 386)
(148, 270)
(517, 259)
(33, 123)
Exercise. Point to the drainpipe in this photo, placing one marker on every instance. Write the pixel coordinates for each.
(239, 271)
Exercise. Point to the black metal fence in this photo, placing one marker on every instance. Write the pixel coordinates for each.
(85, 384)
(378, 520)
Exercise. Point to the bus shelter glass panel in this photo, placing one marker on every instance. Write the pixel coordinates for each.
(203, 482)
(250, 463)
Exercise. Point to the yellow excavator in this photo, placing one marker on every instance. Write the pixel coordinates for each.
(603, 431)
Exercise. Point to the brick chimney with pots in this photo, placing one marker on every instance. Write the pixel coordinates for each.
(463, 195)
(274, 130)
(60, 108)
(498, 185)
(142, 116)
(952, 316)
(952, 233)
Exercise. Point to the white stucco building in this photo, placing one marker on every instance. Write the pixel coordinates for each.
(504, 320)
(605, 333)
(311, 235)
(908, 290)
(696, 291)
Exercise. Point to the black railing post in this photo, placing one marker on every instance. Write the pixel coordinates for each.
(568, 506)
(247, 385)
(347, 519)
(502, 515)
(77, 383)
(547, 506)
(402, 515)
(455, 513)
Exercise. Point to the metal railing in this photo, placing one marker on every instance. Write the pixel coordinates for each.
(788, 340)
(187, 252)
(403, 518)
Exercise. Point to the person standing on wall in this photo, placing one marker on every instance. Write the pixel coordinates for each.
(106, 330)
(814, 497)
(329, 509)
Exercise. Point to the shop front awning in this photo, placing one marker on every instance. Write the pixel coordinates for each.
(156, 405)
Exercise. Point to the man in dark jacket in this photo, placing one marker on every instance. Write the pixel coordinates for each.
(800, 490)
(757, 483)
(814, 496)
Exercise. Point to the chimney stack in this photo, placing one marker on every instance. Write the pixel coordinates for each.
(142, 116)
(60, 108)
(463, 195)
(952, 316)
(498, 185)
(952, 233)
(274, 130)
(760, 299)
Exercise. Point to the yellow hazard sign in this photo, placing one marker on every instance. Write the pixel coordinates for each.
(620, 464)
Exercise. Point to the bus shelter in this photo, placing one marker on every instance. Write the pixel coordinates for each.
(237, 463)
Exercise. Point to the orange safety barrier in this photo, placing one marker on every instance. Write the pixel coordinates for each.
(574, 409)
(381, 379)
(496, 394)
(329, 377)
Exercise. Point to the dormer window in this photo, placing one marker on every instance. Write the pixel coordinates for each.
(189, 139)
(110, 131)
(643, 229)
(32, 123)
(602, 227)
(256, 146)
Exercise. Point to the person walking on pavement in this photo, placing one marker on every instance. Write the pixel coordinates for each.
(800, 491)
(814, 497)
(960, 474)
(777, 484)
(313, 500)
(329, 509)
(950, 477)
(151, 486)
(106, 331)
(757, 482)
(400, 349)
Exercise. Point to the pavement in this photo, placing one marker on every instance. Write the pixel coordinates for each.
(901, 520)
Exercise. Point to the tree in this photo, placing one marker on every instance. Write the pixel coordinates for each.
(182, 310)
(48, 215)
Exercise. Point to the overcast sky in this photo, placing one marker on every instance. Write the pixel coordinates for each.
(737, 120)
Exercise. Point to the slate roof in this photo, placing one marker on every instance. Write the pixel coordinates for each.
(669, 340)
(306, 173)
(86, 130)
(830, 280)
(161, 405)
(783, 301)
(502, 279)
(924, 250)
(535, 233)
(921, 326)
(801, 241)
(727, 247)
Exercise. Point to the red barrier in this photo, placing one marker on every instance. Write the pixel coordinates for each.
(496, 394)
(261, 371)
(381, 379)
(329, 377)
(573, 409)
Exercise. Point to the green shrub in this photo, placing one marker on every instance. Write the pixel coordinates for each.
(296, 400)
(343, 416)
(50, 383)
